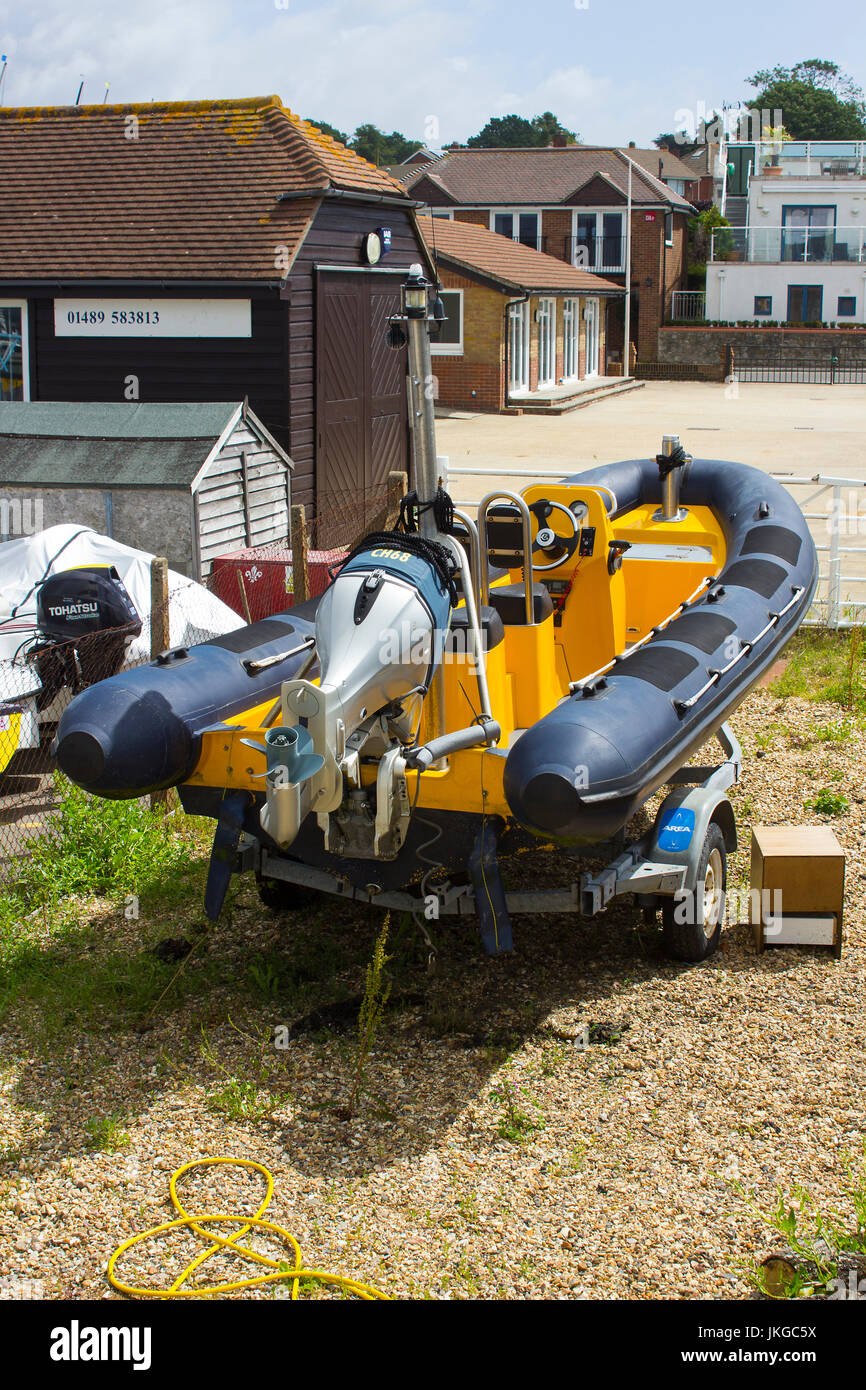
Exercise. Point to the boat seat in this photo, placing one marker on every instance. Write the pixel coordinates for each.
(509, 602)
(490, 623)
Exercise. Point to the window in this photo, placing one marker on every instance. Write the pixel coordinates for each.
(546, 317)
(449, 340)
(518, 347)
(14, 357)
(669, 229)
(763, 306)
(676, 186)
(518, 225)
(846, 307)
(446, 216)
(808, 233)
(599, 241)
(570, 330)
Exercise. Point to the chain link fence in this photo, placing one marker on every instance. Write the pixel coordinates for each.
(41, 677)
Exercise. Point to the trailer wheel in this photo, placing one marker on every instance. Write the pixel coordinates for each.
(692, 925)
(282, 896)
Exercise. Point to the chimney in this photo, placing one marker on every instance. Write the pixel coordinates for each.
(559, 141)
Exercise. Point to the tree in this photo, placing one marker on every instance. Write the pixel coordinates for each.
(516, 132)
(817, 100)
(372, 143)
(329, 130)
(549, 126)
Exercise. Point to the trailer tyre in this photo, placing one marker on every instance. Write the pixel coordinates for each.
(692, 924)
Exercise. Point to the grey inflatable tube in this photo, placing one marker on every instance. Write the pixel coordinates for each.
(582, 771)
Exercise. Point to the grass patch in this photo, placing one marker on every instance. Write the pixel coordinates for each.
(515, 1124)
(826, 666)
(83, 908)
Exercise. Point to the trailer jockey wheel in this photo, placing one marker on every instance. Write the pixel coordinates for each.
(549, 542)
(692, 923)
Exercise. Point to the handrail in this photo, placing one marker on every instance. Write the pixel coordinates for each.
(682, 706)
(576, 686)
(484, 588)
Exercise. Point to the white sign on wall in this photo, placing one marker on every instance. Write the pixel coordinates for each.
(152, 318)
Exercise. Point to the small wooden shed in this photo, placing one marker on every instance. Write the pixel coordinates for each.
(188, 481)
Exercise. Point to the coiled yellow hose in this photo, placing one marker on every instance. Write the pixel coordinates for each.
(195, 1222)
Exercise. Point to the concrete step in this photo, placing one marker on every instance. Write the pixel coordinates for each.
(587, 396)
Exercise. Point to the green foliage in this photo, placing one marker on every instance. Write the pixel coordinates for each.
(816, 1238)
(372, 143)
(701, 239)
(817, 100)
(827, 666)
(242, 1100)
(91, 847)
(106, 1134)
(827, 803)
(515, 1124)
(516, 132)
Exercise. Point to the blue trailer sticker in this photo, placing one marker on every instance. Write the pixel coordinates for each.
(677, 828)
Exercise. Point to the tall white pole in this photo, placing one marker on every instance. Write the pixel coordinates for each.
(626, 352)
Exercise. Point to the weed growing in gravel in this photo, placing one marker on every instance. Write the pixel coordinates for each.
(107, 1134)
(242, 1100)
(376, 992)
(827, 803)
(514, 1124)
(816, 1239)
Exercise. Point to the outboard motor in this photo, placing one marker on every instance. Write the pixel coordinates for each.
(380, 632)
(85, 620)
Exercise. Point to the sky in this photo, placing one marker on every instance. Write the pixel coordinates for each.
(613, 70)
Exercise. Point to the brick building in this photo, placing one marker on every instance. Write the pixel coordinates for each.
(523, 328)
(571, 202)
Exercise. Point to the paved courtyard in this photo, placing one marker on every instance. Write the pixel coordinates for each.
(797, 429)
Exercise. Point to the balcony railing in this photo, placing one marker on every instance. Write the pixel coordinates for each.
(600, 253)
(809, 158)
(778, 245)
(688, 304)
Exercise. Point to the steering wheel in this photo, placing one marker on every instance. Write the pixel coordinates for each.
(550, 542)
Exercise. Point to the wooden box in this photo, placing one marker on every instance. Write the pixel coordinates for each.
(805, 864)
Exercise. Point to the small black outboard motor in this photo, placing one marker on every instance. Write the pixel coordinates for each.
(85, 620)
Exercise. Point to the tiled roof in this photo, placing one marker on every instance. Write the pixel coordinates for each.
(672, 167)
(462, 245)
(196, 193)
(534, 177)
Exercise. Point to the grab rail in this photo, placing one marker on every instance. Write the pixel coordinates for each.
(576, 686)
(484, 588)
(681, 706)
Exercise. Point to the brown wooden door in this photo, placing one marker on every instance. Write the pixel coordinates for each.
(361, 425)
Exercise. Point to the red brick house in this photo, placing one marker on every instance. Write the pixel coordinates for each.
(523, 328)
(571, 203)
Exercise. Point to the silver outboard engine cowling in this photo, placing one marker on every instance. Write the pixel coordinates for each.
(380, 632)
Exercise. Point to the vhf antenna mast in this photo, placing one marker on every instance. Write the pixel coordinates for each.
(4, 63)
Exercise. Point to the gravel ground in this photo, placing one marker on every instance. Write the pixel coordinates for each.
(494, 1154)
